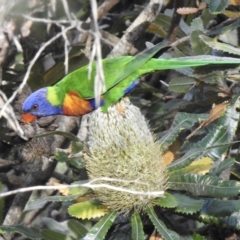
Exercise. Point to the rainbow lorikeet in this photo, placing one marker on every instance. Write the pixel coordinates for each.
(74, 94)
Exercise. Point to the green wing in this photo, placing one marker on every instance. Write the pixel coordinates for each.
(115, 70)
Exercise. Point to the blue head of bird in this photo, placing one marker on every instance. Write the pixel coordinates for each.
(38, 104)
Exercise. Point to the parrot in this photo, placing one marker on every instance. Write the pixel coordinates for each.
(74, 94)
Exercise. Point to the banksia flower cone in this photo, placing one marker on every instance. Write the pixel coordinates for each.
(122, 149)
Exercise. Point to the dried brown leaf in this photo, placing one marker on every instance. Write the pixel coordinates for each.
(235, 2)
(231, 14)
(187, 10)
(215, 113)
(168, 157)
(202, 6)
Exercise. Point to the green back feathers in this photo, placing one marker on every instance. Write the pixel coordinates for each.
(79, 82)
(116, 70)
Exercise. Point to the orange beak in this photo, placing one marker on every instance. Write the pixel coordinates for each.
(28, 117)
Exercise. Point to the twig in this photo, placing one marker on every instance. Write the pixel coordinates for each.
(10, 117)
(66, 9)
(172, 32)
(180, 41)
(44, 20)
(105, 7)
(134, 32)
(41, 49)
(107, 38)
(87, 185)
(66, 45)
(99, 78)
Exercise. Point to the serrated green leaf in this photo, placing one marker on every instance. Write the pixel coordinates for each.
(187, 204)
(217, 6)
(205, 147)
(68, 135)
(204, 185)
(198, 46)
(231, 221)
(51, 235)
(181, 121)
(137, 227)
(200, 166)
(99, 230)
(168, 201)
(213, 145)
(212, 78)
(77, 228)
(197, 23)
(87, 210)
(225, 164)
(181, 84)
(220, 208)
(26, 232)
(213, 43)
(166, 233)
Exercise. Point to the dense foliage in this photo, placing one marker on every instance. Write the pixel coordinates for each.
(182, 124)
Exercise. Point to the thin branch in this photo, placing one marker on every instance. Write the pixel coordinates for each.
(134, 32)
(105, 7)
(66, 9)
(41, 49)
(9, 115)
(99, 78)
(44, 20)
(87, 185)
(113, 39)
(66, 45)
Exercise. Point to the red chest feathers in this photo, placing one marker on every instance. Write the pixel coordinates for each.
(74, 105)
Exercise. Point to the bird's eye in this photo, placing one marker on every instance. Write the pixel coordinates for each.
(35, 107)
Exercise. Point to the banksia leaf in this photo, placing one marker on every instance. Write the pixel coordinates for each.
(181, 84)
(213, 43)
(201, 166)
(188, 205)
(87, 210)
(99, 230)
(160, 226)
(181, 121)
(137, 227)
(26, 232)
(169, 201)
(204, 185)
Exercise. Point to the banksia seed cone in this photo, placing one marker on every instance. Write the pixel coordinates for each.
(121, 147)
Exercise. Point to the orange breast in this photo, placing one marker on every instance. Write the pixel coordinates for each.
(74, 105)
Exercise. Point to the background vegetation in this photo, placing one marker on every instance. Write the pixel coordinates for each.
(193, 112)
